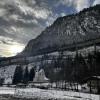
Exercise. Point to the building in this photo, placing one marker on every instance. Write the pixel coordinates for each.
(40, 77)
(93, 83)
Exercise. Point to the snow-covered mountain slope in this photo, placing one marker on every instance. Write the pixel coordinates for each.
(7, 72)
(65, 31)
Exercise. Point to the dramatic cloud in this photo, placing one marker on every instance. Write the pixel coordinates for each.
(77, 4)
(22, 20)
(82, 4)
(96, 2)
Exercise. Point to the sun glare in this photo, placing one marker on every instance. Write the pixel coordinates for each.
(14, 49)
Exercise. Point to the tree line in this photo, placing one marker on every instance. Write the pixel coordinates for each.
(63, 69)
(73, 69)
(23, 76)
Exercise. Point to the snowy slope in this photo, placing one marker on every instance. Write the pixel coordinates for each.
(7, 73)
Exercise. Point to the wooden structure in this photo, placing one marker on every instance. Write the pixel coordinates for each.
(93, 83)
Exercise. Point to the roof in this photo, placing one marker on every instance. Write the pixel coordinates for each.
(91, 78)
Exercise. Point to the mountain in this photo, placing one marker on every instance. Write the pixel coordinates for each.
(66, 31)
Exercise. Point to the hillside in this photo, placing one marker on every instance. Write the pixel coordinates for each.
(65, 31)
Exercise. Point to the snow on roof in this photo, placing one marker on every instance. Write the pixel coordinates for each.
(98, 77)
(40, 76)
(92, 78)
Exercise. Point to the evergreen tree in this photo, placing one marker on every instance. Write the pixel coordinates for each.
(90, 63)
(1, 81)
(18, 75)
(80, 68)
(97, 63)
(31, 74)
(68, 67)
(26, 76)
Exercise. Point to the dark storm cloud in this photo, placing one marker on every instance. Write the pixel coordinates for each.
(23, 14)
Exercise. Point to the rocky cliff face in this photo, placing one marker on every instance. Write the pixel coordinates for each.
(66, 31)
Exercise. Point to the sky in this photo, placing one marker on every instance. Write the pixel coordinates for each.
(23, 20)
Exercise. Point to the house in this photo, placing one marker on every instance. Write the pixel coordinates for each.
(93, 83)
(40, 80)
(40, 77)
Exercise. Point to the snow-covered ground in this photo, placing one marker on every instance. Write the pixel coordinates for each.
(47, 94)
(7, 90)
